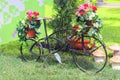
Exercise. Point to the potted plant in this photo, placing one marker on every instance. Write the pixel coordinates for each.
(88, 22)
(76, 43)
(28, 28)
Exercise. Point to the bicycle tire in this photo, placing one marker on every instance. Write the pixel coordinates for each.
(85, 60)
(33, 47)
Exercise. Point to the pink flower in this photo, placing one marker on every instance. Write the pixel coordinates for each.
(90, 5)
(29, 12)
(81, 7)
(77, 13)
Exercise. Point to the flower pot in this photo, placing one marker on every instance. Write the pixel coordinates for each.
(31, 33)
(77, 44)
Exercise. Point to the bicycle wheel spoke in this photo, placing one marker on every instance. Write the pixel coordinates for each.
(94, 49)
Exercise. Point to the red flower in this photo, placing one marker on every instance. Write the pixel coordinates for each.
(29, 16)
(35, 14)
(85, 5)
(82, 13)
(94, 8)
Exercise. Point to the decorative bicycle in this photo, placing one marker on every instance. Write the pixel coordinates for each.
(82, 53)
(82, 46)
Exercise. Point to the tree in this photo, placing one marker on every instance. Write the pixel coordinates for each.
(63, 16)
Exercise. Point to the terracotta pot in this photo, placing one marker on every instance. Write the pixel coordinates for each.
(31, 33)
(77, 44)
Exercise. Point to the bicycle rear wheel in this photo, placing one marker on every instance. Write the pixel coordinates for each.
(51, 47)
(90, 59)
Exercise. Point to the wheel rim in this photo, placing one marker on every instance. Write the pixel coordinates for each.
(86, 62)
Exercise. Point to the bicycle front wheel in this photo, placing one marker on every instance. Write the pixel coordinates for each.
(92, 58)
(31, 50)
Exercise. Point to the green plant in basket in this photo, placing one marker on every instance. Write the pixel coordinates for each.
(28, 27)
(88, 21)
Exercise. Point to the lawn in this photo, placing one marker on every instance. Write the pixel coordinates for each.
(112, 1)
(111, 26)
(13, 68)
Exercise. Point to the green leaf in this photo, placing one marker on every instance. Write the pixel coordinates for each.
(91, 31)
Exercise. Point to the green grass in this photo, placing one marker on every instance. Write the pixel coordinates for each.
(107, 1)
(112, 1)
(13, 68)
(110, 32)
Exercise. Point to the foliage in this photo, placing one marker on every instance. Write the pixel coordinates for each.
(88, 20)
(30, 23)
(10, 48)
(63, 16)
